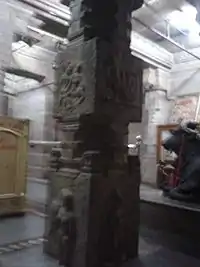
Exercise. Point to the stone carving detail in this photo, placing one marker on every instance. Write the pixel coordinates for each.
(70, 89)
(118, 78)
(56, 161)
(111, 11)
(94, 162)
(63, 226)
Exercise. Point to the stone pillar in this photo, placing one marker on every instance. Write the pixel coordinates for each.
(155, 112)
(93, 202)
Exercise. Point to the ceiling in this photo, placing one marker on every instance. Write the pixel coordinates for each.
(45, 23)
(153, 22)
(37, 24)
(40, 21)
(50, 19)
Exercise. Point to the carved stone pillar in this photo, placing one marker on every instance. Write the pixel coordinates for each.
(99, 93)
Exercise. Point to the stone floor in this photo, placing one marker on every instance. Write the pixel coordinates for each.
(20, 228)
(21, 246)
(150, 256)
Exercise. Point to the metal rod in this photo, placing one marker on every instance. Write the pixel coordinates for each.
(167, 38)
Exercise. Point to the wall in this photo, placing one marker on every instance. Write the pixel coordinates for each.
(185, 78)
(30, 105)
(34, 101)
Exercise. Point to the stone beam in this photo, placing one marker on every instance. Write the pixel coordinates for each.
(184, 57)
(150, 52)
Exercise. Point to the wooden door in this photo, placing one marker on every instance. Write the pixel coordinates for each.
(13, 164)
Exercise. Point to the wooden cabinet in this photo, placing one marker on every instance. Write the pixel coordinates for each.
(13, 164)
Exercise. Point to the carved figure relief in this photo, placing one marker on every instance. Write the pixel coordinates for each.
(63, 226)
(122, 84)
(70, 89)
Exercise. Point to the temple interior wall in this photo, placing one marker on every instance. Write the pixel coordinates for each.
(185, 75)
(34, 101)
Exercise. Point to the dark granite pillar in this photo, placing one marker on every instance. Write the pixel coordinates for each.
(93, 196)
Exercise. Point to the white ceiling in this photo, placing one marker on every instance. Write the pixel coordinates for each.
(151, 17)
(154, 15)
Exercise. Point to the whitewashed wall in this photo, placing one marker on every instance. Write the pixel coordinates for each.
(34, 101)
(185, 79)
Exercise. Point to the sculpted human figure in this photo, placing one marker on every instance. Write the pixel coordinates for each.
(64, 226)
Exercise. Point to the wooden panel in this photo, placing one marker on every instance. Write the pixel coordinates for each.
(13, 164)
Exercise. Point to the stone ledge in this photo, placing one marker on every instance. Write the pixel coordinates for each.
(150, 52)
(38, 159)
(169, 217)
(38, 172)
(38, 181)
(36, 207)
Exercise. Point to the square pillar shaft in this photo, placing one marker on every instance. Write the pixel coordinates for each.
(94, 191)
